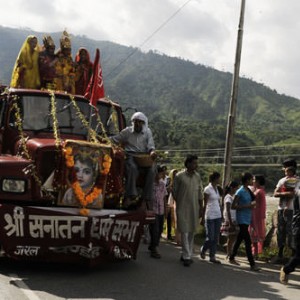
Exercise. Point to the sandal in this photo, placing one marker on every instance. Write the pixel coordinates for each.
(155, 254)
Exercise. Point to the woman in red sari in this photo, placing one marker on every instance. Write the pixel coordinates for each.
(258, 224)
(83, 71)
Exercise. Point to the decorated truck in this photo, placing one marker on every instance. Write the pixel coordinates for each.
(62, 181)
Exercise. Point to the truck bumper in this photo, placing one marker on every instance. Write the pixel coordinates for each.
(62, 235)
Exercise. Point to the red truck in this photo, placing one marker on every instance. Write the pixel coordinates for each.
(46, 212)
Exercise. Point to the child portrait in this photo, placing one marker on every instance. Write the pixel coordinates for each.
(85, 177)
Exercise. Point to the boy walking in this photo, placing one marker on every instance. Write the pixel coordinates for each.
(159, 202)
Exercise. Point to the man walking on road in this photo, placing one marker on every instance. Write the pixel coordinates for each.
(188, 195)
(285, 191)
(295, 260)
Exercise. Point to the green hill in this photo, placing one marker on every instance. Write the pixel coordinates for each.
(187, 104)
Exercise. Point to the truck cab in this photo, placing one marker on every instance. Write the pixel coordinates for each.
(30, 139)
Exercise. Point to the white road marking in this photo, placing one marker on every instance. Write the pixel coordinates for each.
(24, 287)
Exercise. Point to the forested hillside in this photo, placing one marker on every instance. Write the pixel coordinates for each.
(187, 104)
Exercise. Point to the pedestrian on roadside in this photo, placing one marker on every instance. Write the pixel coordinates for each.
(243, 202)
(171, 205)
(285, 191)
(229, 227)
(295, 260)
(257, 227)
(159, 202)
(213, 217)
(187, 192)
(168, 213)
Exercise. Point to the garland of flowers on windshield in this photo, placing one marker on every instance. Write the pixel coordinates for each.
(85, 123)
(86, 198)
(55, 121)
(94, 137)
(23, 146)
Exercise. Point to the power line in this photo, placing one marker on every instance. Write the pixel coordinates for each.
(150, 36)
(237, 149)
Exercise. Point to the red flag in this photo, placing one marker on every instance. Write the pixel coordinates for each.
(95, 88)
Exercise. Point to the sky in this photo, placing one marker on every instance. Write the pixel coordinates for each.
(202, 31)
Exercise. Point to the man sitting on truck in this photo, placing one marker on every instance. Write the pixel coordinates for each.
(137, 140)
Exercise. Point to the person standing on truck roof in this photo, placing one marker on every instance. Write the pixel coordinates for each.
(137, 139)
(47, 61)
(83, 71)
(26, 71)
(64, 67)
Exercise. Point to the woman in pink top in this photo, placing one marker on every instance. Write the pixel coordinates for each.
(258, 224)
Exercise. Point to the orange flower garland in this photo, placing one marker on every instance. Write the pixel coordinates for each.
(86, 199)
(106, 164)
(69, 157)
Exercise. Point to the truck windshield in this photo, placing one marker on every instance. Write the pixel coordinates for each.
(37, 115)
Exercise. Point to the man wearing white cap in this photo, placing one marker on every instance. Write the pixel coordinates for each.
(137, 139)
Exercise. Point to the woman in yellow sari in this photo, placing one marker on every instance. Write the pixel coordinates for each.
(26, 72)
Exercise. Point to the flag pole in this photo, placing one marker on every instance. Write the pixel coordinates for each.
(92, 92)
(233, 100)
(90, 124)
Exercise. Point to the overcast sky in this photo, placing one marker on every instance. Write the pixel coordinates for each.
(203, 31)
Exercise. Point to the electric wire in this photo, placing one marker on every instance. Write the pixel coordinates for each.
(149, 37)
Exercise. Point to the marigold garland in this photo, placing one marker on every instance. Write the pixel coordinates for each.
(84, 212)
(69, 157)
(106, 164)
(84, 122)
(85, 199)
(25, 152)
(54, 120)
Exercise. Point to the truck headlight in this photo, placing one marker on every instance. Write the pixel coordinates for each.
(13, 185)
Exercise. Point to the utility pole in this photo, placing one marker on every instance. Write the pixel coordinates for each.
(233, 100)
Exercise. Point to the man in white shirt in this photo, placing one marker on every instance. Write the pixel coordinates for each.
(137, 139)
(285, 191)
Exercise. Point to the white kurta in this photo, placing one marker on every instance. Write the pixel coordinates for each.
(187, 191)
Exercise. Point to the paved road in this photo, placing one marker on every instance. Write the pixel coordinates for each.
(145, 279)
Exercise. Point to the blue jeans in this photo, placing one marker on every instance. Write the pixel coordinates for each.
(212, 228)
